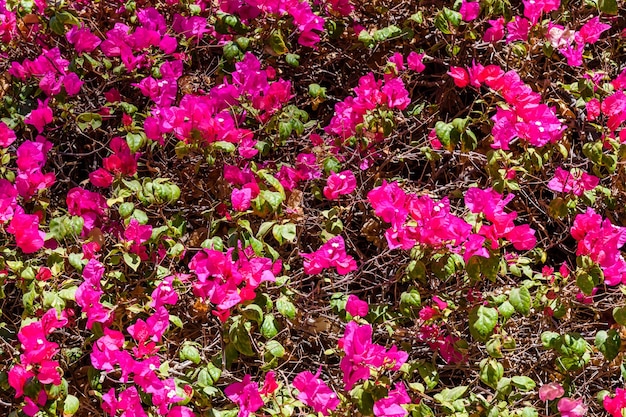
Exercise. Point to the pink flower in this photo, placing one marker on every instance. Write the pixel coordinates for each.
(40, 117)
(551, 391)
(389, 201)
(575, 181)
(72, 84)
(342, 7)
(593, 29)
(496, 32)
(137, 232)
(339, 184)
(396, 94)
(315, 393)
(460, 76)
(361, 354)
(391, 406)
(7, 136)
(414, 61)
(331, 254)
(25, 228)
(240, 199)
(534, 8)
(518, 29)
(469, 10)
(616, 404)
(593, 109)
(269, 385)
(398, 60)
(82, 39)
(101, 178)
(356, 307)
(571, 408)
(246, 395)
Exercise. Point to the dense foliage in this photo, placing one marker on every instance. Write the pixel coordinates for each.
(295, 207)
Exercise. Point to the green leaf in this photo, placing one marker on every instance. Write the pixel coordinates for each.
(293, 60)
(253, 312)
(224, 146)
(273, 198)
(506, 309)
(366, 38)
(275, 349)
(409, 303)
(429, 374)
(448, 395)
(585, 282)
(530, 412)
(57, 228)
(550, 339)
(482, 322)
(491, 371)
(70, 405)
(240, 339)
(176, 321)
(190, 352)
(520, 300)
(286, 307)
(619, 314)
(608, 343)
(269, 328)
(132, 260)
(608, 6)
(277, 43)
(136, 141)
(524, 383)
(89, 120)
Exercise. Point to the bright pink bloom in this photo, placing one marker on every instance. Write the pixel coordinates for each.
(40, 117)
(415, 61)
(246, 395)
(460, 76)
(593, 29)
(339, 184)
(240, 198)
(389, 202)
(356, 307)
(331, 254)
(614, 106)
(315, 393)
(269, 385)
(496, 32)
(397, 97)
(571, 408)
(137, 232)
(7, 136)
(18, 376)
(616, 404)
(593, 109)
(575, 181)
(534, 8)
(398, 60)
(342, 7)
(602, 241)
(82, 39)
(551, 391)
(518, 29)
(361, 354)
(391, 406)
(25, 228)
(469, 10)
(101, 178)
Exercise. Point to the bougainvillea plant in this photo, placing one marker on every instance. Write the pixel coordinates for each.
(312, 207)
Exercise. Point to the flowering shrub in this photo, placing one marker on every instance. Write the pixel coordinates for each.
(295, 207)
